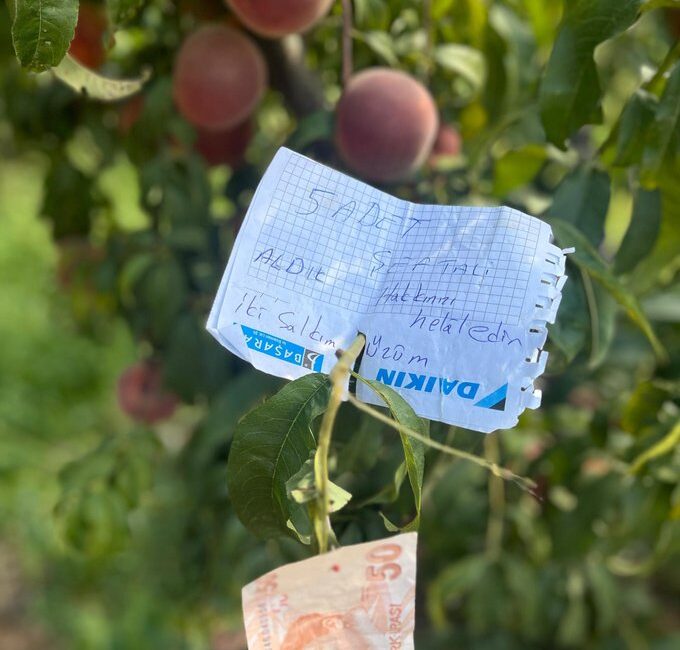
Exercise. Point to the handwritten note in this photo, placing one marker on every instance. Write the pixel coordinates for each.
(453, 301)
(356, 598)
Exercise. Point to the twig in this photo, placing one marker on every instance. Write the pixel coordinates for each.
(494, 530)
(525, 483)
(347, 65)
(339, 376)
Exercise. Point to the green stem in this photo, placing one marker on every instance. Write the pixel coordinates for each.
(494, 530)
(339, 376)
(668, 62)
(501, 472)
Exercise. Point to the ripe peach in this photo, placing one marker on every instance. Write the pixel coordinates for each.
(219, 77)
(129, 113)
(142, 396)
(447, 143)
(275, 18)
(386, 123)
(224, 147)
(87, 45)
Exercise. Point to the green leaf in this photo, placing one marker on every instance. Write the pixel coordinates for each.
(666, 445)
(271, 444)
(123, 11)
(605, 591)
(95, 86)
(588, 259)
(463, 60)
(517, 168)
(382, 44)
(663, 142)
(633, 127)
(642, 232)
(603, 310)
(570, 91)
(642, 409)
(570, 330)
(663, 261)
(42, 31)
(414, 450)
(374, 14)
(582, 199)
(310, 129)
(452, 583)
(301, 488)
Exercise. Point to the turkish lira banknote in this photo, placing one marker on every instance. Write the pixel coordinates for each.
(359, 597)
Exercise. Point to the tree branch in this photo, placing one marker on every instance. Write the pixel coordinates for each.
(301, 88)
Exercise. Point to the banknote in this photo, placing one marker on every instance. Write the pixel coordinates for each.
(359, 597)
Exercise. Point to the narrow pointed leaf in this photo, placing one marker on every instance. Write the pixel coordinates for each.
(414, 450)
(642, 232)
(588, 259)
(582, 199)
(570, 92)
(271, 444)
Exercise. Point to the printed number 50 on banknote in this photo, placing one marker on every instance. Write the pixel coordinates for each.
(359, 597)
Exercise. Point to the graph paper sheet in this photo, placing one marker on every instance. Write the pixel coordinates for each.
(453, 301)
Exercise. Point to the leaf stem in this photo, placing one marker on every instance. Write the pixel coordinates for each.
(339, 376)
(501, 472)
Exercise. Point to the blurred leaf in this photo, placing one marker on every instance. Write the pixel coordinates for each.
(452, 583)
(603, 310)
(271, 444)
(570, 330)
(517, 167)
(523, 584)
(570, 90)
(68, 202)
(382, 44)
(42, 31)
(582, 200)
(95, 86)
(642, 232)
(463, 60)
(194, 363)
(573, 627)
(642, 409)
(310, 129)
(123, 11)
(374, 14)
(161, 294)
(605, 591)
(663, 143)
(669, 443)
(440, 8)
(633, 128)
(661, 264)
(414, 450)
(587, 258)
(119, 183)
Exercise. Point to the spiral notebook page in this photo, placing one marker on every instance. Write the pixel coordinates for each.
(453, 301)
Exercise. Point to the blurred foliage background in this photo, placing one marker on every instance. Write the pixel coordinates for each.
(114, 231)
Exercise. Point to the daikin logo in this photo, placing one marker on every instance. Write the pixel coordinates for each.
(495, 400)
